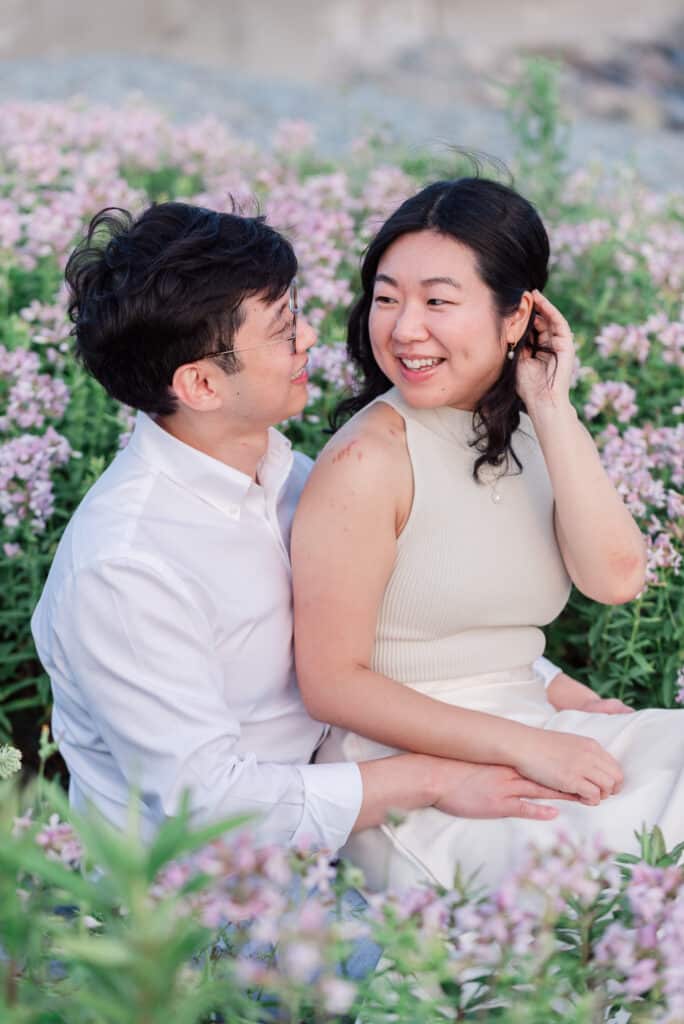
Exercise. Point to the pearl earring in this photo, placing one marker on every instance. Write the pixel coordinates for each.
(511, 351)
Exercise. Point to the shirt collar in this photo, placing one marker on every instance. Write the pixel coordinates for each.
(211, 480)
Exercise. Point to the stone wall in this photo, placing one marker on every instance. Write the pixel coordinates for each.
(329, 40)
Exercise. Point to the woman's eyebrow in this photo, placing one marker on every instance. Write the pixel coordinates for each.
(441, 280)
(386, 279)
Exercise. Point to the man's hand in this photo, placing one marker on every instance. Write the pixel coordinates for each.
(492, 791)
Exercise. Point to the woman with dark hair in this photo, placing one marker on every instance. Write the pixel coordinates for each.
(442, 527)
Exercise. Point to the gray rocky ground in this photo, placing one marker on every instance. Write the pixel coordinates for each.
(253, 105)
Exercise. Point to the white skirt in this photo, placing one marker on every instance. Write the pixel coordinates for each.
(431, 845)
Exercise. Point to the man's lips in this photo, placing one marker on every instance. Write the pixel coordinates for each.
(301, 375)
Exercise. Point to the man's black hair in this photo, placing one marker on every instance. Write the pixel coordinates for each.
(148, 294)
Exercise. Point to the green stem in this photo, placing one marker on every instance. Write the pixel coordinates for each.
(11, 983)
(631, 643)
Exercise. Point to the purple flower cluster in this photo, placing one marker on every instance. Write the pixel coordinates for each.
(611, 396)
(316, 214)
(631, 340)
(571, 241)
(32, 397)
(57, 839)
(663, 251)
(634, 340)
(293, 137)
(278, 907)
(647, 951)
(331, 362)
(638, 462)
(277, 913)
(26, 464)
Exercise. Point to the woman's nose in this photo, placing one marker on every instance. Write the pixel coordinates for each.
(410, 325)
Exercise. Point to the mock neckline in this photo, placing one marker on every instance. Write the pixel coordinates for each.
(445, 421)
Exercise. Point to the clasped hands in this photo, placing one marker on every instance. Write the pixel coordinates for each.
(552, 765)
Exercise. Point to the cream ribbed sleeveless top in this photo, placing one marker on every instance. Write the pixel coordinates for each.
(478, 568)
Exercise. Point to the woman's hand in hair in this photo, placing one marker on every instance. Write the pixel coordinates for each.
(541, 379)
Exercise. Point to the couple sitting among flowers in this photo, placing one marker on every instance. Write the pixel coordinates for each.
(438, 531)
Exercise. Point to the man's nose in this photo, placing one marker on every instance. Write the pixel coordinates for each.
(306, 335)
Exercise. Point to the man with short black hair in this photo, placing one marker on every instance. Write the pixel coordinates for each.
(166, 620)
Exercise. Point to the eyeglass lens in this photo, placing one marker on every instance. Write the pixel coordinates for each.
(294, 309)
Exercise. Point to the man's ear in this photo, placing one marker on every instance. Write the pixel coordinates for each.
(515, 324)
(196, 385)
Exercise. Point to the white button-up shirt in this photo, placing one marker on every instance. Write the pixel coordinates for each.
(165, 626)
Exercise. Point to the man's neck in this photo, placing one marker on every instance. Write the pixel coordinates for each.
(236, 446)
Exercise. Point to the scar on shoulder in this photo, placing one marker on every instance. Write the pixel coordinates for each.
(346, 451)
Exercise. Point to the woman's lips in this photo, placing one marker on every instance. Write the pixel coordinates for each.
(418, 375)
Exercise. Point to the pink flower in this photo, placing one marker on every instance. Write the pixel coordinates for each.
(642, 977)
(300, 960)
(293, 137)
(631, 341)
(60, 842)
(611, 396)
(679, 697)
(338, 994)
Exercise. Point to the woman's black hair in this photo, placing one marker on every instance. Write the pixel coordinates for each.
(511, 248)
(149, 294)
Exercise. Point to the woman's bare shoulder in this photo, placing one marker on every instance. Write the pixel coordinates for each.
(376, 432)
(365, 466)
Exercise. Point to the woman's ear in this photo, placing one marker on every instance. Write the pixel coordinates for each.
(515, 325)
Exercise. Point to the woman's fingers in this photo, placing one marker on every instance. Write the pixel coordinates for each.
(613, 706)
(606, 782)
(549, 321)
(548, 311)
(537, 812)
(588, 792)
(535, 791)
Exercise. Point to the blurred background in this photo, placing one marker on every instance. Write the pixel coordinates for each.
(425, 70)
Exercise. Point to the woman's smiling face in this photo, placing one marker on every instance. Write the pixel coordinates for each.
(434, 329)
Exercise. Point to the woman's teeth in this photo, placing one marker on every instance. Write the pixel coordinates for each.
(419, 364)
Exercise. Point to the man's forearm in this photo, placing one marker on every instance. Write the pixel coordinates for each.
(403, 783)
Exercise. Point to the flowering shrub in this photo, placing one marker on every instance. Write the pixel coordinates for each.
(618, 275)
(205, 926)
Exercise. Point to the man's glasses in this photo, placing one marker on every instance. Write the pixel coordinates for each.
(294, 307)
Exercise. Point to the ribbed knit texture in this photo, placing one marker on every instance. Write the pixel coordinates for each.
(474, 579)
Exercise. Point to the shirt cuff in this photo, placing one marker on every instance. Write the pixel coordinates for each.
(547, 670)
(333, 794)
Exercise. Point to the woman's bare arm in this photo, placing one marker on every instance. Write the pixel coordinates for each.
(344, 547)
(602, 547)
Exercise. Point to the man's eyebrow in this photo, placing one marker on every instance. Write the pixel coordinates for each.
(278, 315)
